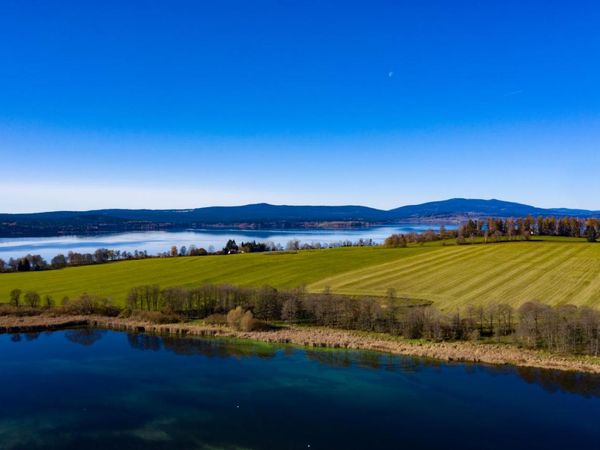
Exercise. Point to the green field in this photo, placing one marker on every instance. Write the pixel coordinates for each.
(285, 270)
(551, 271)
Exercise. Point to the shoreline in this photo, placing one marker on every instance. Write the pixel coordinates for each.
(315, 337)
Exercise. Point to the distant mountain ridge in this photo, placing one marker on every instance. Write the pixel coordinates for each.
(479, 208)
(264, 215)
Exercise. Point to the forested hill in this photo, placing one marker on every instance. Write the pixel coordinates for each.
(464, 207)
(262, 215)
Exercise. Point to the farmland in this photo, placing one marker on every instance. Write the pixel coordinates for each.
(552, 271)
(281, 270)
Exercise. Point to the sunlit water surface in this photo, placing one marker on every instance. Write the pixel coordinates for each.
(92, 389)
(155, 242)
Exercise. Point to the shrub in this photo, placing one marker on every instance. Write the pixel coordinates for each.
(125, 313)
(234, 317)
(48, 301)
(15, 297)
(32, 299)
(247, 322)
(87, 304)
(156, 317)
(216, 319)
(23, 311)
(395, 241)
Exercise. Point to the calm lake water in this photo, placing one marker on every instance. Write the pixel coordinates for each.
(97, 389)
(161, 241)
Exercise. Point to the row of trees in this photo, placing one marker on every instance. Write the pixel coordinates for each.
(36, 262)
(31, 299)
(524, 227)
(32, 303)
(398, 240)
(103, 255)
(563, 328)
(499, 229)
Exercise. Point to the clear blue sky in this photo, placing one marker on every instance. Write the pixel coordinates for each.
(185, 104)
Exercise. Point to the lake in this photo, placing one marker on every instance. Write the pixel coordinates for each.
(98, 389)
(155, 242)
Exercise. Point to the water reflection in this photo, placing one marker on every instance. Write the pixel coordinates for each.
(144, 341)
(551, 381)
(584, 384)
(95, 389)
(85, 336)
(28, 337)
(210, 348)
(155, 242)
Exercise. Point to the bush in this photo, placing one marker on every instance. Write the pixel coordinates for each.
(156, 317)
(15, 297)
(247, 322)
(125, 313)
(32, 299)
(234, 317)
(48, 301)
(216, 319)
(395, 241)
(87, 304)
(23, 311)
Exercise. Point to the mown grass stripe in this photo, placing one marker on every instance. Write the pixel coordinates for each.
(554, 272)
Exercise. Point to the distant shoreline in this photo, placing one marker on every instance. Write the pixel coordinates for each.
(100, 229)
(317, 337)
(267, 216)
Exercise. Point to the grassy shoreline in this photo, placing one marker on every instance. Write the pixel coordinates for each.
(317, 337)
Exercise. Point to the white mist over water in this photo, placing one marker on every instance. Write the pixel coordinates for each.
(155, 242)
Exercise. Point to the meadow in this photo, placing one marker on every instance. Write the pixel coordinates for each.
(550, 270)
(553, 272)
(280, 270)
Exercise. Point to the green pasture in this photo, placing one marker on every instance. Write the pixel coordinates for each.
(553, 271)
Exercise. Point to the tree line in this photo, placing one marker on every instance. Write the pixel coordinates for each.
(525, 227)
(565, 328)
(504, 229)
(31, 262)
(490, 229)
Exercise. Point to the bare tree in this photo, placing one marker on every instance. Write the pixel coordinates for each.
(15, 297)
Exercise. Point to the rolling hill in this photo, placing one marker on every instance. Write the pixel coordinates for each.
(262, 215)
(554, 272)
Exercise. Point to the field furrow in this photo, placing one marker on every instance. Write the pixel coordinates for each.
(452, 276)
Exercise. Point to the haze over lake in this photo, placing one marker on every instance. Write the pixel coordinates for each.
(155, 242)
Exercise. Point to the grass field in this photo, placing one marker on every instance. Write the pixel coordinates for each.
(551, 271)
(284, 270)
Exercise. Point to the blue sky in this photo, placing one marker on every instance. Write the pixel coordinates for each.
(185, 104)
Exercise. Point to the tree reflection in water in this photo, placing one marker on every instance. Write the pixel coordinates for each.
(550, 380)
(85, 336)
(222, 348)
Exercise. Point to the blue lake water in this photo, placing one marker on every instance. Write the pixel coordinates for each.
(96, 389)
(155, 242)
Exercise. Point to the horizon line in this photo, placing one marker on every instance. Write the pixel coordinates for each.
(299, 206)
